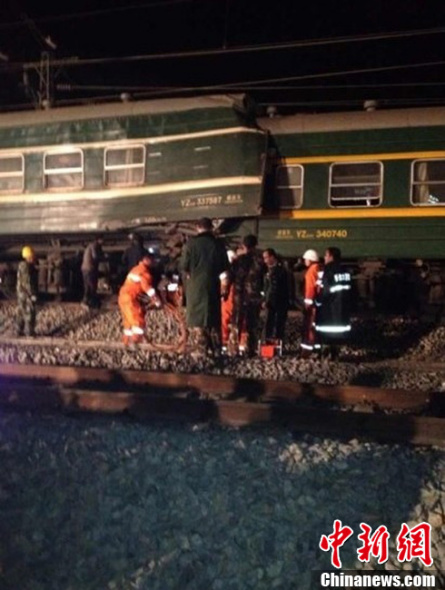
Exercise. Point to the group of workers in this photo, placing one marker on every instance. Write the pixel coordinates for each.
(225, 293)
(327, 294)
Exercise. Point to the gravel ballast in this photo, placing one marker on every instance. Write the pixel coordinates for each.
(372, 340)
(100, 503)
(91, 503)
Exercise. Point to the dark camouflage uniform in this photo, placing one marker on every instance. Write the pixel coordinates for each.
(247, 276)
(27, 289)
(276, 294)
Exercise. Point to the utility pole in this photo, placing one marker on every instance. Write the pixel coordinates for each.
(43, 97)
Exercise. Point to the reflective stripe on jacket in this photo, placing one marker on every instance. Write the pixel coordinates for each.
(139, 281)
(312, 283)
(333, 312)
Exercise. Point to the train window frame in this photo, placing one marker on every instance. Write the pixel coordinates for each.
(115, 167)
(360, 200)
(64, 171)
(20, 174)
(289, 187)
(413, 183)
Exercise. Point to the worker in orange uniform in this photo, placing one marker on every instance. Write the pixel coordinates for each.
(312, 285)
(226, 302)
(137, 285)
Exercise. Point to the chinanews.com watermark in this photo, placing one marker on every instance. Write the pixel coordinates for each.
(412, 545)
(375, 579)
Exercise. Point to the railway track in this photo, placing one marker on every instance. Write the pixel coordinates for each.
(63, 342)
(385, 415)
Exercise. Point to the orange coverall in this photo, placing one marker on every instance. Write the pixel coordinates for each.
(226, 316)
(139, 282)
(311, 289)
(227, 313)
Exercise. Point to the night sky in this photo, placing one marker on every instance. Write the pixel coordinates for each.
(335, 57)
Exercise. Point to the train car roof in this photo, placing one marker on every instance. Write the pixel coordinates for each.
(350, 121)
(122, 109)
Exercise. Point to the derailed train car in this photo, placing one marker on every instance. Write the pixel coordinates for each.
(66, 174)
(372, 183)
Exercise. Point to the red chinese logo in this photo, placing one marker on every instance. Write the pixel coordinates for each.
(415, 543)
(411, 543)
(335, 541)
(376, 545)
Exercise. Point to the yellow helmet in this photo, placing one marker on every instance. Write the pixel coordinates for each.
(28, 253)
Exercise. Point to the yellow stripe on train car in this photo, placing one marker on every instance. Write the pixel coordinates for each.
(422, 211)
(331, 158)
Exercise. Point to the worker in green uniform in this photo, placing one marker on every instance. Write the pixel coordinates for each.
(27, 291)
(203, 262)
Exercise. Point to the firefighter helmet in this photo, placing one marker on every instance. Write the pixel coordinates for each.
(311, 255)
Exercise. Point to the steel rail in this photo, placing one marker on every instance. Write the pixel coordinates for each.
(181, 347)
(226, 387)
(392, 428)
(345, 411)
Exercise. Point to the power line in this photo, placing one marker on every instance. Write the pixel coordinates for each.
(230, 51)
(334, 74)
(246, 87)
(93, 13)
(158, 92)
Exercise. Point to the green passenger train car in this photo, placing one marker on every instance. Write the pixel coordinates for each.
(104, 168)
(372, 183)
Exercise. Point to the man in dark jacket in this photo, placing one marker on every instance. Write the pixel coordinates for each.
(203, 261)
(276, 296)
(134, 253)
(332, 321)
(247, 280)
(92, 256)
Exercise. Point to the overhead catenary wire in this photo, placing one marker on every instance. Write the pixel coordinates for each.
(256, 84)
(265, 84)
(171, 88)
(76, 61)
(96, 12)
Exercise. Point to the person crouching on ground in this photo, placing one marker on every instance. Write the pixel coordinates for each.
(27, 290)
(137, 285)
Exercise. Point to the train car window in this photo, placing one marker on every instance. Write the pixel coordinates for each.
(428, 182)
(289, 186)
(124, 166)
(202, 155)
(12, 174)
(154, 168)
(355, 184)
(63, 170)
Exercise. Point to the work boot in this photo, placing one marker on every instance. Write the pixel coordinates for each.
(137, 338)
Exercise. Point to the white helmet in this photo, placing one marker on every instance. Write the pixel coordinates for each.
(311, 255)
(231, 255)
